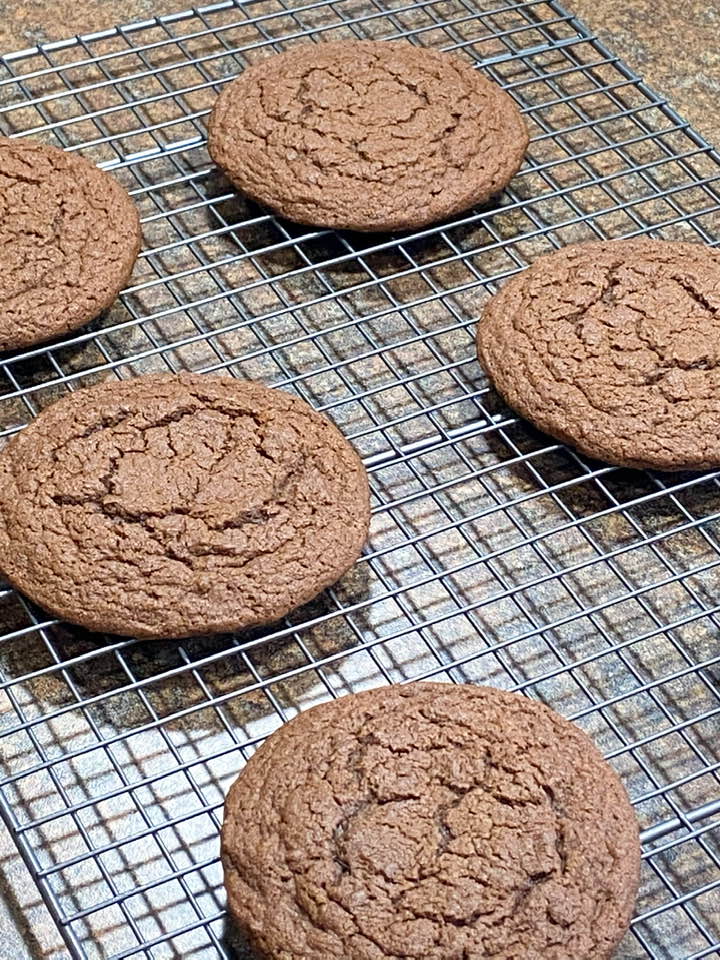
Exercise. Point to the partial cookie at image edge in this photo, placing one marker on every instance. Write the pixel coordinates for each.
(613, 347)
(430, 820)
(70, 236)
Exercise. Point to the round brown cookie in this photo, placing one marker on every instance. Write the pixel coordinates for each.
(366, 135)
(166, 506)
(614, 348)
(430, 821)
(69, 237)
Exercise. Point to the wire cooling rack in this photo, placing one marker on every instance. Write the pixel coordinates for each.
(496, 555)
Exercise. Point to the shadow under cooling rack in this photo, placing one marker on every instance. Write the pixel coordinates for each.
(495, 555)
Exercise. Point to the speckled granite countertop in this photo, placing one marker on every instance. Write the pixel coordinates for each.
(673, 46)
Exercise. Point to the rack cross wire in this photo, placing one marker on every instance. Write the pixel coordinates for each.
(496, 555)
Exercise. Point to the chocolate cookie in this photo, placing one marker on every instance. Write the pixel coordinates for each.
(69, 237)
(430, 821)
(167, 506)
(614, 348)
(366, 135)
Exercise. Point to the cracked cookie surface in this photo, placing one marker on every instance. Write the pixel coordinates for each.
(614, 348)
(69, 237)
(366, 135)
(166, 506)
(430, 821)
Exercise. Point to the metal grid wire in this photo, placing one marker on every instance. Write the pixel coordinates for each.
(496, 555)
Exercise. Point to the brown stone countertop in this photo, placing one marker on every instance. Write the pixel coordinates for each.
(672, 45)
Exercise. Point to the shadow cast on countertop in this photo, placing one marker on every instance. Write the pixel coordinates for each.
(121, 683)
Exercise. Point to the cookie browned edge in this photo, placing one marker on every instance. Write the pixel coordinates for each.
(409, 222)
(352, 703)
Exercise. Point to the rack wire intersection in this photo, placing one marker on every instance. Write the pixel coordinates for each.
(496, 555)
